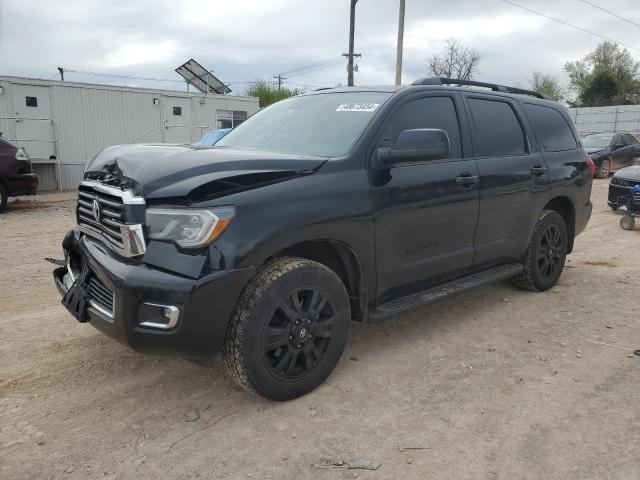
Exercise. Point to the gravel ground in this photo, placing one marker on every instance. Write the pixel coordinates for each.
(494, 384)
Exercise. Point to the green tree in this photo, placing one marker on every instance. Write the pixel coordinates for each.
(547, 85)
(607, 76)
(269, 93)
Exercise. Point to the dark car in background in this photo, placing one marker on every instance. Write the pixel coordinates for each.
(611, 151)
(16, 176)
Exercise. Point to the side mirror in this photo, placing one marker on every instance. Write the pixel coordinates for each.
(417, 145)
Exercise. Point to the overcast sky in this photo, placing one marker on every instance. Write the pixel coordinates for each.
(244, 40)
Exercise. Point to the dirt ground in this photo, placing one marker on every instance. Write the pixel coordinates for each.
(493, 384)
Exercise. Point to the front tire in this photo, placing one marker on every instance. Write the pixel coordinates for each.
(289, 329)
(605, 169)
(545, 256)
(4, 196)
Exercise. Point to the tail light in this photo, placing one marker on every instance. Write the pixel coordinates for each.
(22, 155)
(590, 165)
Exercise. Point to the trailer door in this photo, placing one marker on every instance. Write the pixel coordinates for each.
(178, 120)
(34, 127)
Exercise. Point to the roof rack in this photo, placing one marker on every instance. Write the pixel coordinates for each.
(492, 86)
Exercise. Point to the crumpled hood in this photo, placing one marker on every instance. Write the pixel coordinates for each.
(166, 170)
(629, 173)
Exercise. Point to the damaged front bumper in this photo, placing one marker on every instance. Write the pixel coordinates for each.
(149, 310)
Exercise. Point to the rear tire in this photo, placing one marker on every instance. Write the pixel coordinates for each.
(604, 170)
(545, 256)
(289, 329)
(4, 196)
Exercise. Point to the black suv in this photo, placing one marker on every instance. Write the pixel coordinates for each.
(342, 204)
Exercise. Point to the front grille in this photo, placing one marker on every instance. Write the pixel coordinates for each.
(100, 294)
(624, 183)
(110, 214)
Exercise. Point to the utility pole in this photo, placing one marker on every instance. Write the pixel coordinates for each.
(350, 55)
(61, 70)
(280, 79)
(400, 40)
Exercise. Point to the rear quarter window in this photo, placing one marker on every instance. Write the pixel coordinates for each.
(498, 130)
(551, 128)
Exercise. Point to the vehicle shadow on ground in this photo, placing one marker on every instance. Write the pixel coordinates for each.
(96, 356)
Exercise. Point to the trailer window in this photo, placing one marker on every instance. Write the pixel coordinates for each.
(31, 101)
(230, 118)
(177, 111)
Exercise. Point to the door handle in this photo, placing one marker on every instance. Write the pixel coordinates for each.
(538, 170)
(467, 179)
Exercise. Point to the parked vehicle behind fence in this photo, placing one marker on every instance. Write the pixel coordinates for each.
(16, 176)
(343, 204)
(610, 152)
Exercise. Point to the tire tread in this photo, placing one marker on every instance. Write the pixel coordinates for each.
(234, 360)
(524, 280)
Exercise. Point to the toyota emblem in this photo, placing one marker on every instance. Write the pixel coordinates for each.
(95, 208)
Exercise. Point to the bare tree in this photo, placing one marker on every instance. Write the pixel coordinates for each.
(547, 85)
(455, 61)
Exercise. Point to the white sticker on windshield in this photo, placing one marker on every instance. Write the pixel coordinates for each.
(357, 107)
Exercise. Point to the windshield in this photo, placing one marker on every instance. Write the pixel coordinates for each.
(596, 141)
(324, 125)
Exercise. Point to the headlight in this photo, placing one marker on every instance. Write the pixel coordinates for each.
(188, 227)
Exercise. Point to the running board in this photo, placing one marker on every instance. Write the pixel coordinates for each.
(454, 287)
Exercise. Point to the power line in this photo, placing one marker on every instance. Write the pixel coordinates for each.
(301, 84)
(127, 77)
(611, 13)
(133, 77)
(314, 68)
(313, 65)
(569, 24)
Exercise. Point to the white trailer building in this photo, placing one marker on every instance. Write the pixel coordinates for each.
(62, 124)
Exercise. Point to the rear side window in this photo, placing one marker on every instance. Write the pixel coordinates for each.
(553, 130)
(498, 131)
(630, 139)
(428, 112)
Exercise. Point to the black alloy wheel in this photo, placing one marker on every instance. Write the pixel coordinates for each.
(299, 333)
(289, 329)
(550, 253)
(544, 259)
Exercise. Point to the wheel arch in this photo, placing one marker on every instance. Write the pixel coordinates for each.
(565, 207)
(341, 259)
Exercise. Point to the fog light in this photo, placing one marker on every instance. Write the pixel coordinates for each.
(153, 315)
(171, 314)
